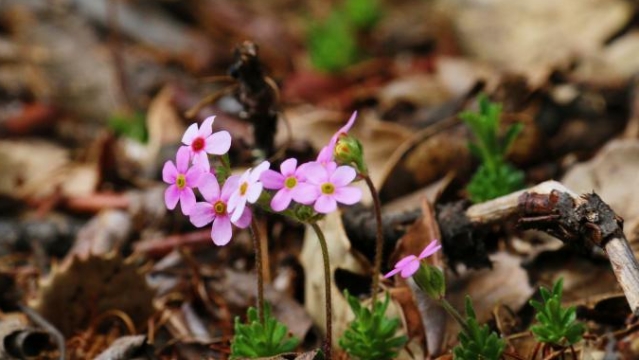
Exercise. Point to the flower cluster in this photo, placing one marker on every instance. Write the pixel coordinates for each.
(321, 184)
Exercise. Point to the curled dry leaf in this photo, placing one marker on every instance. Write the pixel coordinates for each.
(124, 348)
(77, 292)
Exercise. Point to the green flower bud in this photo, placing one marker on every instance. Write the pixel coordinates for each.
(349, 151)
(430, 280)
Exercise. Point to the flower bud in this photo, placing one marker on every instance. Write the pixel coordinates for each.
(349, 151)
(430, 280)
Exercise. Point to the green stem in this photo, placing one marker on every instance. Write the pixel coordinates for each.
(257, 244)
(328, 345)
(379, 239)
(454, 313)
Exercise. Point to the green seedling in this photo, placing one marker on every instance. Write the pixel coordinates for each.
(477, 341)
(132, 126)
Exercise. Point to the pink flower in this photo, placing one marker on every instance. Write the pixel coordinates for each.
(327, 153)
(249, 189)
(290, 185)
(215, 209)
(410, 264)
(201, 141)
(182, 179)
(330, 185)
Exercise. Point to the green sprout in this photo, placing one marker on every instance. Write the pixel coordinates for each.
(132, 126)
(371, 335)
(475, 341)
(557, 324)
(256, 340)
(494, 177)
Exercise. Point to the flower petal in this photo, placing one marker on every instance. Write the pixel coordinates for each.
(218, 143)
(326, 154)
(187, 200)
(272, 180)
(347, 195)
(193, 176)
(287, 167)
(221, 231)
(207, 127)
(405, 261)
(409, 269)
(325, 204)
(201, 214)
(209, 187)
(346, 128)
(257, 171)
(182, 159)
(315, 173)
(254, 192)
(237, 211)
(343, 176)
(245, 220)
(230, 187)
(391, 273)
(281, 200)
(429, 250)
(169, 172)
(171, 197)
(189, 134)
(305, 193)
(201, 160)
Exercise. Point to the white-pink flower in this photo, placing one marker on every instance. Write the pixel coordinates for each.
(330, 185)
(327, 154)
(289, 183)
(201, 141)
(410, 264)
(182, 180)
(216, 210)
(249, 189)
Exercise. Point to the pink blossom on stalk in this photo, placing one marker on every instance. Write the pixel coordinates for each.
(216, 210)
(290, 185)
(330, 185)
(327, 154)
(182, 180)
(201, 141)
(249, 189)
(410, 264)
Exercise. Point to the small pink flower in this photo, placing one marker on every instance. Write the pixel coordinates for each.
(202, 141)
(327, 154)
(410, 264)
(290, 185)
(182, 179)
(249, 189)
(330, 185)
(215, 209)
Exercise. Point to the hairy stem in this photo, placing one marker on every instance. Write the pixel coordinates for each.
(328, 345)
(257, 244)
(379, 240)
(454, 313)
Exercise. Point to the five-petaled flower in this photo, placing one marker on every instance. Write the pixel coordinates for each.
(182, 180)
(202, 141)
(327, 154)
(330, 185)
(216, 209)
(289, 183)
(249, 189)
(410, 264)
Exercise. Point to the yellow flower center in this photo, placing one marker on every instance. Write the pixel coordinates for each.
(180, 181)
(290, 182)
(327, 188)
(243, 188)
(219, 207)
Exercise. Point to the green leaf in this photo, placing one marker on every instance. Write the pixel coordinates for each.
(475, 341)
(130, 125)
(331, 44)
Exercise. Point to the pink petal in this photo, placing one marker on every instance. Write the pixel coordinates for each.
(326, 154)
(201, 214)
(187, 200)
(182, 159)
(169, 172)
(272, 180)
(238, 210)
(207, 127)
(171, 197)
(281, 200)
(234, 200)
(221, 231)
(255, 174)
(218, 143)
(193, 176)
(254, 192)
(325, 204)
(405, 261)
(346, 128)
(190, 134)
(245, 220)
(410, 269)
(305, 193)
(201, 160)
(348, 195)
(315, 173)
(391, 273)
(343, 176)
(230, 187)
(430, 250)
(209, 187)
(287, 168)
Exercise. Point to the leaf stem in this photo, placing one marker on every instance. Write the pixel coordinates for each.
(379, 239)
(257, 244)
(328, 344)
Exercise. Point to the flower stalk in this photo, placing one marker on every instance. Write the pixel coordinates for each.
(328, 342)
(257, 244)
(379, 239)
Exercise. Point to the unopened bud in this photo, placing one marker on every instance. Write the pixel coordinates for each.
(430, 280)
(349, 151)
